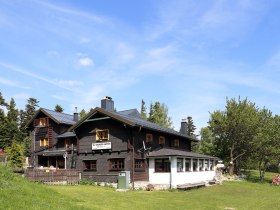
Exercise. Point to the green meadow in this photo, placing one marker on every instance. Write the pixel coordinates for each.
(18, 193)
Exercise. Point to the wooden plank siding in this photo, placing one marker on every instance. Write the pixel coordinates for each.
(70, 177)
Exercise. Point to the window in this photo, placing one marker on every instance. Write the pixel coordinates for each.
(89, 165)
(139, 165)
(211, 165)
(206, 165)
(200, 165)
(161, 140)
(116, 164)
(162, 165)
(179, 164)
(188, 165)
(102, 135)
(149, 138)
(67, 143)
(41, 122)
(44, 142)
(194, 165)
(176, 142)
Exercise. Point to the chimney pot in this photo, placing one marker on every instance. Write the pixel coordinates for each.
(76, 115)
(107, 103)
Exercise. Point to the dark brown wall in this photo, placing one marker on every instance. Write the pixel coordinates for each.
(119, 135)
(169, 140)
(42, 132)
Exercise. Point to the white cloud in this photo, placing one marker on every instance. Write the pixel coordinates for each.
(74, 12)
(7, 82)
(21, 96)
(68, 82)
(85, 40)
(86, 61)
(32, 75)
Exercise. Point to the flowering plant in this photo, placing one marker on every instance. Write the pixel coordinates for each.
(276, 180)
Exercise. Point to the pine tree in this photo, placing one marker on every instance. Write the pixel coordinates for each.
(190, 127)
(58, 108)
(28, 112)
(25, 117)
(143, 110)
(4, 128)
(159, 115)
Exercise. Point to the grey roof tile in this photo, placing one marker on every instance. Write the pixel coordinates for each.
(60, 117)
(67, 134)
(161, 152)
(146, 124)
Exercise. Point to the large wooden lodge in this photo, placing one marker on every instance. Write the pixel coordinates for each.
(105, 142)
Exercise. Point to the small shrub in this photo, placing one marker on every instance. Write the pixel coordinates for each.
(87, 182)
(150, 187)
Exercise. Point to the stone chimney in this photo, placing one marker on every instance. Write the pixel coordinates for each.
(76, 115)
(183, 129)
(107, 103)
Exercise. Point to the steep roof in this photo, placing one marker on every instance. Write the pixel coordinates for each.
(163, 152)
(132, 118)
(58, 117)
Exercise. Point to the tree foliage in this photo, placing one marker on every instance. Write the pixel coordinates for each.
(82, 113)
(143, 110)
(266, 145)
(159, 115)
(234, 130)
(206, 145)
(15, 155)
(58, 108)
(190, 127)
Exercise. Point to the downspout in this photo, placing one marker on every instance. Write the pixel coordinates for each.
(170, 176)
(133, 162)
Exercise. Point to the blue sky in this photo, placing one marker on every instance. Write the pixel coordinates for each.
(188, 54)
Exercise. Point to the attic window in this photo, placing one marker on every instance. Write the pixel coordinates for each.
(149, 138)
(161, 140)
(102, 135)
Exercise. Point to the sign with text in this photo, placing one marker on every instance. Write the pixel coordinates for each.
(103, 145)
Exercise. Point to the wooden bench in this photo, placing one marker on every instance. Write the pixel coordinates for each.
(190, 185)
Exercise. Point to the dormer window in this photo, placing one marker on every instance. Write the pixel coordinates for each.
(102, 135)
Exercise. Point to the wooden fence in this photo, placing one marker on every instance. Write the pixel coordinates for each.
(51, 176)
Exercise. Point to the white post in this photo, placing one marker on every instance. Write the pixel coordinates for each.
(65, 160)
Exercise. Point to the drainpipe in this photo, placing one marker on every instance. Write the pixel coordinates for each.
(170, 176)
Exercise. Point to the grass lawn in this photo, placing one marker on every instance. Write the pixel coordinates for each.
(17, 193)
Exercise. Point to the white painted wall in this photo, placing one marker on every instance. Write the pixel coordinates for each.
(177, 177)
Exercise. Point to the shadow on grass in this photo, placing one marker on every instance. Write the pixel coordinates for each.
(253, 176)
